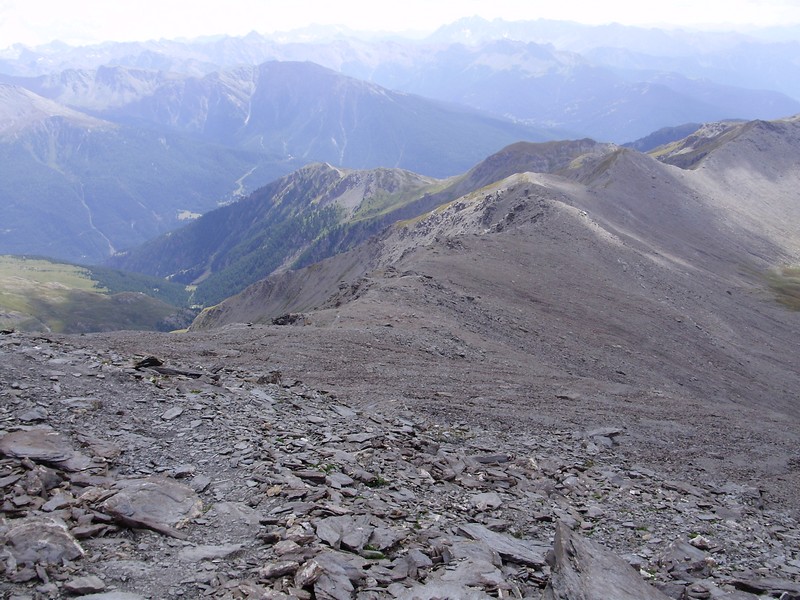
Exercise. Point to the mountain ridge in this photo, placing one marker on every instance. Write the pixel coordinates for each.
(194, 144)
(677, 75)
(670, 247)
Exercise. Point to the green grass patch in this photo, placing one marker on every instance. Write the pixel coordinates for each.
(20, 272)
(785, 284)
(37, 294)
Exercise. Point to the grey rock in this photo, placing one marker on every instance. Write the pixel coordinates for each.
(770, 585)
(486, 501)
(586, 570)
(113, 596)
(44, 445)
(58, 502)
(339, 480)
(438, 590)
(345, 531)
(474, 550)
(519, 551)
(476, 573)
(684, 561)
(89, 584)
(279, 569)
(200, 483)
(100, 447)
(198, 553)
(172, 413)
(156, 503)
(33, 415)
(308, 574)
(41, 541)
(384, 538)
(344, 411)
(337, 577)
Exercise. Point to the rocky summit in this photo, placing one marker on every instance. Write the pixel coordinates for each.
(212, 474)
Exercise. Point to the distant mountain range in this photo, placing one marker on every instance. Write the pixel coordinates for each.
(136, 152)
(612, 83)
(105, 147)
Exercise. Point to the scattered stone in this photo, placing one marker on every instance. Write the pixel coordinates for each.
(172, 413)
(311, 498)
(198, 553)
(89, 584)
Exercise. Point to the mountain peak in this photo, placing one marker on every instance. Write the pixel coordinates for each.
(21, 109)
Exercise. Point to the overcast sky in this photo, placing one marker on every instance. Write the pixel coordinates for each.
(87, 21)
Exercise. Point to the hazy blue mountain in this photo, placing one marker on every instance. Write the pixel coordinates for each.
(298, 111)
(115, 156)
(609, 82)
(79, 188)
(547, 87)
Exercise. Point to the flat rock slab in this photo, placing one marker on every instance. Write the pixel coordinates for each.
(519, 551)
(584, 569)
(91, 584)
(113, 596)
(199, 553)
(346, 532)
(156, 503)
(436, 590)
(486, 501)
(769, 585)
(38, 541)
(44, 445)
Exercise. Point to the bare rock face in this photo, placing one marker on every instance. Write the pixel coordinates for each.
(584, 570)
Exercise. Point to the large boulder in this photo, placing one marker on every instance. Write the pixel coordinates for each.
(585, 570)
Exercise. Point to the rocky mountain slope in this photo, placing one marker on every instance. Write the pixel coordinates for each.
(572, 384)
(214, 475)
(621, 282)
(319, 211)
(310, 211)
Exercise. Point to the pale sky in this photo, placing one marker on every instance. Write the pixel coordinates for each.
(88, 21)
